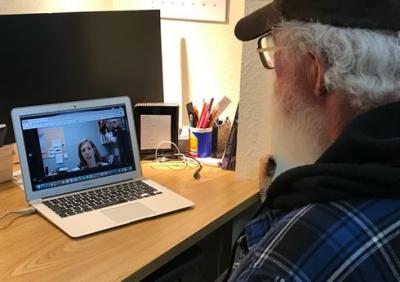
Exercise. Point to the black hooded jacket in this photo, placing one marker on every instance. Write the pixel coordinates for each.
(363, 163)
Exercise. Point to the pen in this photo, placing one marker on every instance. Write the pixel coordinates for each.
(201, 120)
(209, 114)
(206, 116)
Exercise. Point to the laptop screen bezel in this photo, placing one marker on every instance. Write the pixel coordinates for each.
(19, 113)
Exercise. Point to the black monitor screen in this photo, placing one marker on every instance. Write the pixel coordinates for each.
(49, 58)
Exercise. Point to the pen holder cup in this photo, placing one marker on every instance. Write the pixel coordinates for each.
(6, 163)
(200, 142)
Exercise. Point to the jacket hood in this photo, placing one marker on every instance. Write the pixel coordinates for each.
(364, 162)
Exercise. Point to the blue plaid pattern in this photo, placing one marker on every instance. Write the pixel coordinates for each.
(357, 240)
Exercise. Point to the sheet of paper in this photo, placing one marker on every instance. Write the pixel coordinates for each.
(59, 158)
(55, 143)
(153, 130)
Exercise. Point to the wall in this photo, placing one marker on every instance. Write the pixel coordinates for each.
(200, 59)
(254, 133)
(48, 6)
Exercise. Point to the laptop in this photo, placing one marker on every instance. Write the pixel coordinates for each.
(81, 167)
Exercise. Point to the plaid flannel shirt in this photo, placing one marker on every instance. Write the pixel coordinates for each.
(356, 240)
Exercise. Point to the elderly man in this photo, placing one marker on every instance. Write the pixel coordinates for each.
(337, 66)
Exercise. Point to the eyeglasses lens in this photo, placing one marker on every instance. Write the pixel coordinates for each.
(267, 42)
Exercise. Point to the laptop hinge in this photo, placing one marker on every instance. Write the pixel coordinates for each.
(37, 201)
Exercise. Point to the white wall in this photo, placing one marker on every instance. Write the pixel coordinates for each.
(200, 59)
(48, 6)
(254, 133)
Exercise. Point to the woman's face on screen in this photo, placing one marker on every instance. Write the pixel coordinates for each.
(87, 152)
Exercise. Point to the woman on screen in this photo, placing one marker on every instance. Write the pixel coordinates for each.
(89, 156)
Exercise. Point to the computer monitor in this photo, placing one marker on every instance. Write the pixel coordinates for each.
(50, 58)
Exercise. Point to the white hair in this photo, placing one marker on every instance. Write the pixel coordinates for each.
(362, 64)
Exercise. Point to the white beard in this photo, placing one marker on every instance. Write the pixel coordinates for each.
(299, 136)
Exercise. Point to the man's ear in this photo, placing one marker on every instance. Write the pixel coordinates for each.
(318, 69)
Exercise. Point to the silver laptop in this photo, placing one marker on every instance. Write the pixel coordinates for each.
(81, 167)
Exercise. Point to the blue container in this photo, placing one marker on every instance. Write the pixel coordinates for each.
(200, 142)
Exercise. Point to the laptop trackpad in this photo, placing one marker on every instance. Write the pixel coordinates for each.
(128, 212)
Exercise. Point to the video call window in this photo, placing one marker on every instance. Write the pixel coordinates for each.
(69, 145)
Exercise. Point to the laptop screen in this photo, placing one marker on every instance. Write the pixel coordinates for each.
(77, 145)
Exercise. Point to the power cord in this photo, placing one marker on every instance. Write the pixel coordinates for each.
(21, 212)
(179, 156)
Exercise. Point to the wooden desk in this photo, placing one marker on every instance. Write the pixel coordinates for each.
(32, 249)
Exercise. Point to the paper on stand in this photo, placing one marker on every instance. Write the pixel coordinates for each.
(153, 130)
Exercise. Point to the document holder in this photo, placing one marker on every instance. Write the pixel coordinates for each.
(156, 123)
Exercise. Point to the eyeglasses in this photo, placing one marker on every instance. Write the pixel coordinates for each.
(266, 50)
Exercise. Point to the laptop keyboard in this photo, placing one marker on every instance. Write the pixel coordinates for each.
(100, 198)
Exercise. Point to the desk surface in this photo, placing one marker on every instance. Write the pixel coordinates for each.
(33, 249)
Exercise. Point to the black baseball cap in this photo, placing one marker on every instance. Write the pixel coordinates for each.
(370, 14)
